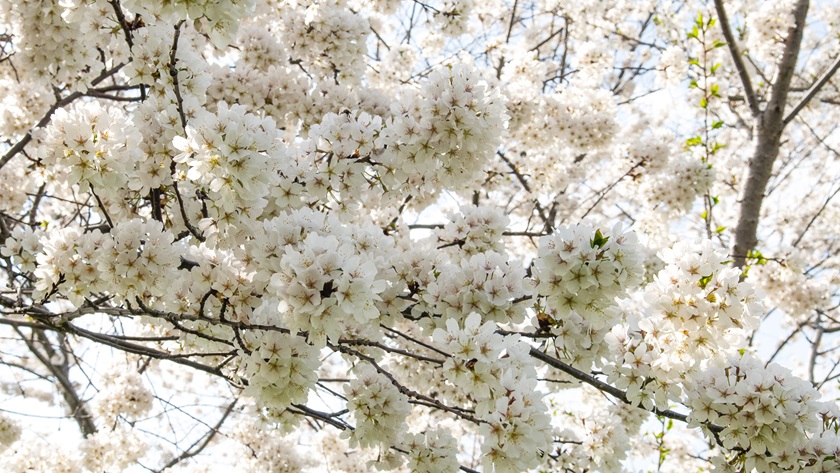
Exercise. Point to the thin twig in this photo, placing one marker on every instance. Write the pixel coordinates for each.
(201, 443)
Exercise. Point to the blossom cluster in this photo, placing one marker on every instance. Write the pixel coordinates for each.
(767, 413)
(677, 185)
(574, 120)
(162, 62)
(136, 258)
(125, 395)
(579, 269)
(339, 457)
(452, 17)
(443, 135)
(23, 246)
(327, 36)
(787, 287)
(278, 91)
(695, 308)
(486, 283)
(326, 278)
(231, 156)
(112, 449)
(500, 375)
(219, 276)
(476, 229)
(20, 108)
(767, 27)
(266, 450)
(221, 16)
(578, 273)
(432, 451)
(9, 432)
(91, 145)
(343, 146)
(50, 46)
(673, 66)
(280, 368)
(595, 438)
(68, 264)
(38, 455)
(378, 407)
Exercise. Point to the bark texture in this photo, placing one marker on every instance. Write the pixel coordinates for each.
(767, 132)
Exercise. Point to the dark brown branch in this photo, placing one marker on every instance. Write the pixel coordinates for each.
(75, 404)
(603, 193)
(407, 354)
(752, 100)
(115, 98)
(193, 231)
(606, 388)
(201, 443)
(331, 419)
(548, 224)
(813, 90)
(815, 217)
(121, 20)
(425, 400)
(173, 72)
(18, 147)
(143, 350)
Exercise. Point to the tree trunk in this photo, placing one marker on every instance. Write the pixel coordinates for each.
(767, 133)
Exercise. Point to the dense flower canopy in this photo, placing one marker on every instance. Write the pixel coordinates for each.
(347, 235)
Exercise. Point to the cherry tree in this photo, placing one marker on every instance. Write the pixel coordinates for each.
(347, 235)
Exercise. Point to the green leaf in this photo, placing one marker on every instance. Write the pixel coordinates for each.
(693, 84)
(715, 200)
(717, 124)
(716, 66)
(704, 103)
(703, 215)
(718, 44)
(757, 256)
(694, 141)
(694, 33)
(715, 90)
(599, 241)
(704, 281)
(720, 229)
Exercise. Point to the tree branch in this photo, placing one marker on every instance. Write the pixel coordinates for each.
(201, 443)
(14, 150)
(813, 90)
(606, 388)
(752, 100)
(75, 404)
